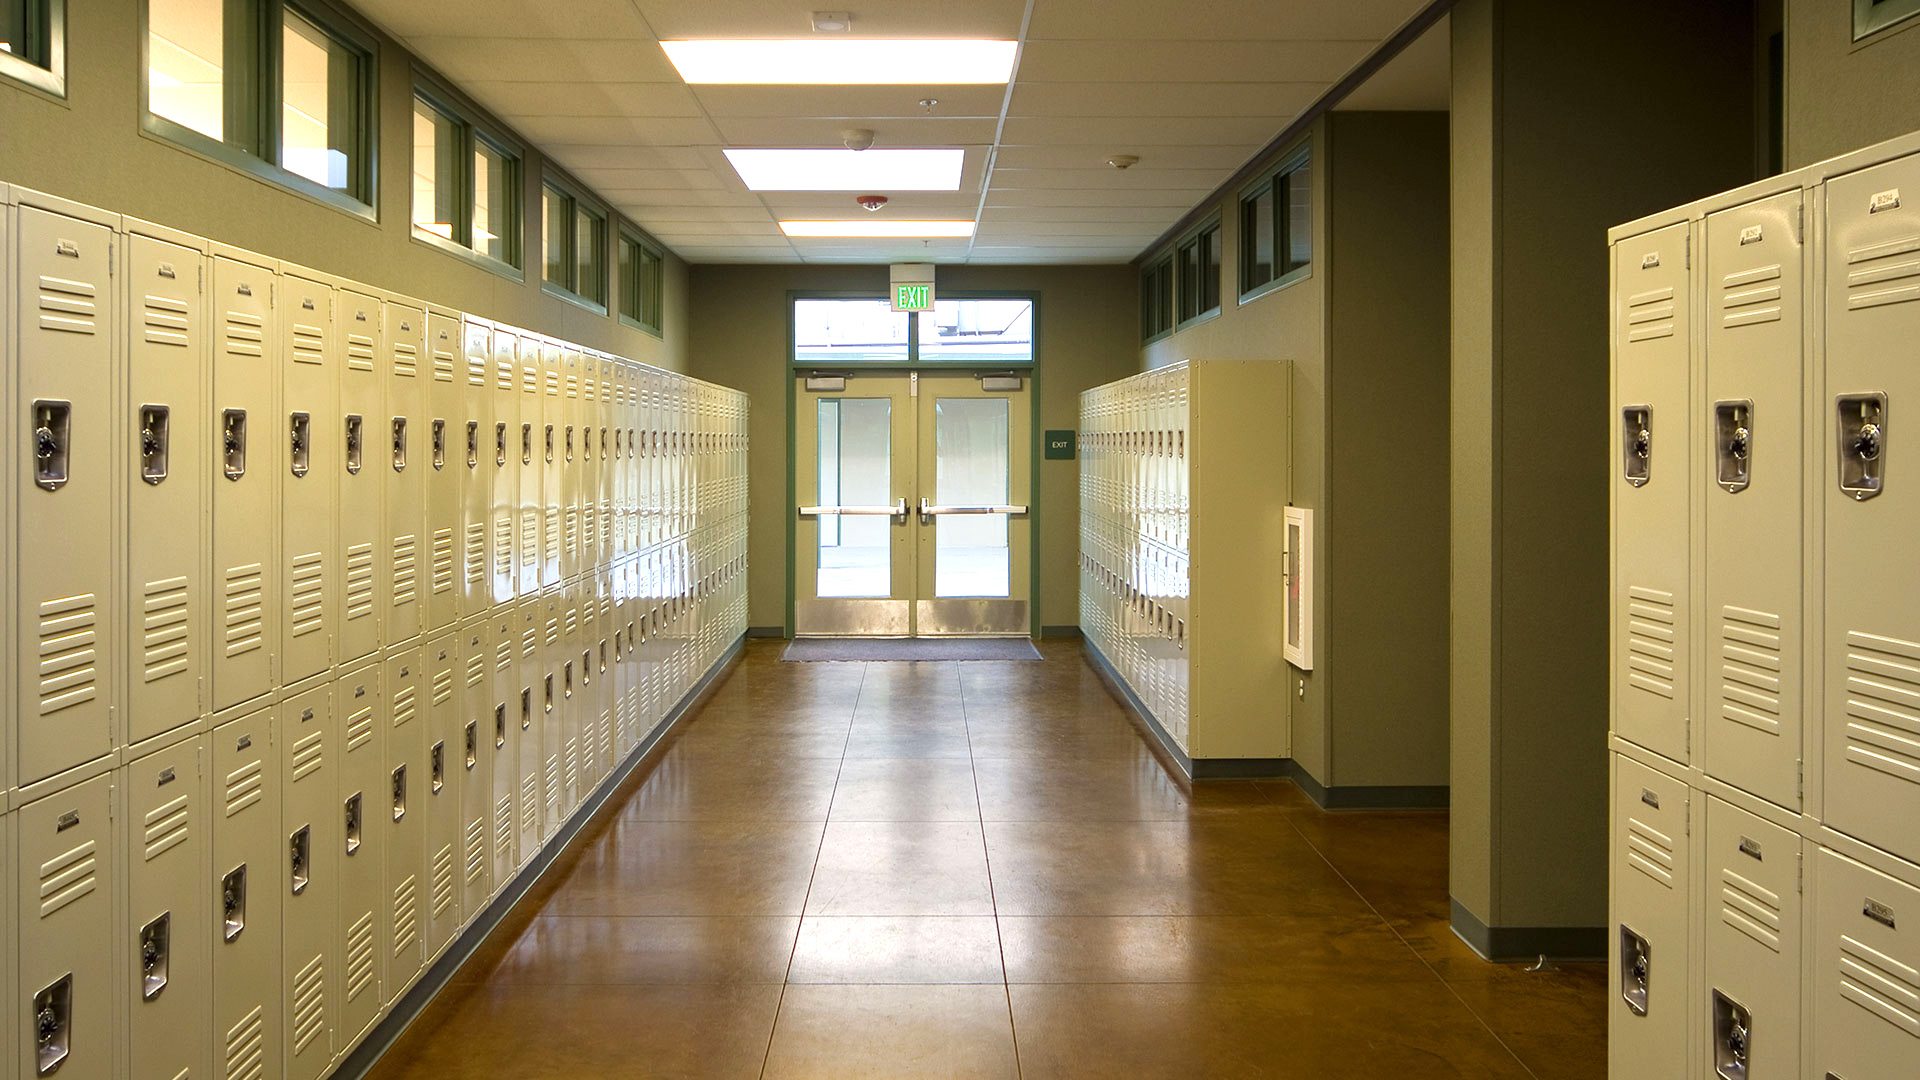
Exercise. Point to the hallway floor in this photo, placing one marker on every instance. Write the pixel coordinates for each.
(981, 870)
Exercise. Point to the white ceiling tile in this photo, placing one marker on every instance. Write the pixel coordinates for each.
(759, 19)
(1134, 179)
(996, 223)
(607, 19)
(678, 240)
(1238, 60)
(1220, 20)
(1072, 197)
(466, 60)
(517, 99)
(1127, 135)
(1272, 100)
(1221, 158)
(615, 130)
(638, 202)
(608, 181)
(813, 131)
(1149, 215)
(864, 103)
(575, 156)
(695, 217)
(906, 204)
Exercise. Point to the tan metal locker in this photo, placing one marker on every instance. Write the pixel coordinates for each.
(1648, 964)
(369, 441)
(1872, 623)
(9, 870)
(419, 449)
(444, 789)
(606, 469)
(8, 593)
(605, 665)
(1866, 971)
(532, 465)
(245, 424)
(550, 455)
(308, 881)
(67, 857)
(445, 480)
(67, 629)
(512, 709)
(167, 929)
(577, 743)
(361, 808)
(245, 887)
(539, 728)
(1752, 997)
(167, 636)
(1651, 478)
(508, 451)
(476, 478)
(1752, 418)
(403, 815)
(568, 456)
(307, 456)
(481, 738)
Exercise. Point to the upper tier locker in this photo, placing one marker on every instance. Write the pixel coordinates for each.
(364, 431)
(167, 923)
(1754, 496)
(67, 629)
(474, 413)
(247, 891)
(1872, 624)
(167, 356)
(604, 472)
(66, 995)
(569, 458)
(1651, 479)
(531, 464)
(446, 404)
(553, 418)
(309, 881)
(245, 482)
(308, 456)
(419, 454)
(586, 482)
(504, 499)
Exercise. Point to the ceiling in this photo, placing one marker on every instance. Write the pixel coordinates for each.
(1194, 89)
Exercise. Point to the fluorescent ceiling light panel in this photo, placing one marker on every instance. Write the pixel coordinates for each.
(844, 61)
(849, 170)
(878, 227)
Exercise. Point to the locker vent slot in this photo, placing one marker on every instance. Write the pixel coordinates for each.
(442, 561)
(405, 558)
(359, 581)
(246, 1047)
(476, 669)
(442, 686)
(67, 878)
(553, 779)
(530, 805)
(309, 344)
(442, 366)
(166, 827)
(1747, 299)
(529, 538)
(1650, 851)
(570, 772)
(246, 334)
(552, 535)
(307, 580)
(166, 321)
(406, 359)
(476, 371)
(1880, 984)
(1879, 275)
(1650, 640)
(406, 915)
(67, 306)
(245, 786)
(166, 644)
(503, 544)
(476, 552)
(359, 729)
(1750, 668)
(243, 615)
(503, 373)
(1650, 315)
(67, 672)
(359, 352)
(403, 703)
(360, 956)
(590, 529)
(1883, 705)
(573, 529)
(476, 849)
(309, 754)
(309, 1004)
(503, 829)
(1750, 909)
(442, 881)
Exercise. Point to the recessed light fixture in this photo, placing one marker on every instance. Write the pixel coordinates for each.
(879, 227)
(851, 61)
(848, 170)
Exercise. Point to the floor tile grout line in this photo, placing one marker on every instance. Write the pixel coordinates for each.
(993, 898)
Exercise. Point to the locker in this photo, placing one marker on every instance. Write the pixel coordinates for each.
(482, 737)
(444, 482)
(68, 620)
(418, 448)
(1872, 624)
(403, 815)
(365, 568)
(512, 708)
(551, 452)
(586, 480)
(1650, 483)
(443, 793)
(539, 726)
(577, 739)
(527, 544)
(361, 799)
(308, 881)
(244, 886)
(167, 930)
(167, 636)
(607, 470)
(9, 1037)
(307, 458)
(1866, 972)
(502, 565)
(66, 885)
(607, 663)
(245, 481)
(476, 480)
(1752, 997)
(1648, 964)
(572, 406)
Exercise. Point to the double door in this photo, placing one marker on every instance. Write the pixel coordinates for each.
(913, 492)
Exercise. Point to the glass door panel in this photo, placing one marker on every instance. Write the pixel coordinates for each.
(856, 469)
(972, 466)
(975, 451)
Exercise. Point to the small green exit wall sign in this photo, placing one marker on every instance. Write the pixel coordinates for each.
(1060, 446)
(917, 297)
(911, 286)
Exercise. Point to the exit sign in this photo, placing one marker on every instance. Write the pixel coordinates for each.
(912, 297)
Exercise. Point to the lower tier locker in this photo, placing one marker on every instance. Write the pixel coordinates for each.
(167, 930)
(473, 748)
(539, 659)
(66, 993)
(1752, 891)
(1866, 971)
(403, 816)
(308, 879)
(244, 885)
(360, 801)
(1648, 961)
(605, 663)
(443, 793)
(9, 872)
(512, 708)
(576, 746)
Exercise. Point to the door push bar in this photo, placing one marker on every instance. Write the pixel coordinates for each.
(928, 509)
(898, 509)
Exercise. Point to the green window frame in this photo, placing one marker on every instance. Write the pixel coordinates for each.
(573, 238)
(34, 34)
(910, 340)
(1276, 228)
(1872, 16)
(1198, 257)
(256, 115)
(642, 283)
(470, 160)
(1156, 299)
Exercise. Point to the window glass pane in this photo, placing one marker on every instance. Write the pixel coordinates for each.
(1299, 224)
(978, 331)
(319, 105)
(1190, 279)
(435, 184)
(972, 465)
(856, 469)
(1163, 286)
(650, 289)
(629, 271)
(185, 63)
(556, 212)
(494, 196)
(1256, 240)
(1210, 269)
(848, 331)
(589, 257)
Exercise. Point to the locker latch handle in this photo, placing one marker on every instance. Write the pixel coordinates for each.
(439, 445)
(399, 793)
(399, 444)
(473, 444)
(1862, 430)
(153, 956)
(586, 443)
(499, 726)
(549, 693)
(155, 428)
(567, 688)
(549, 444)
(233, 902)
(500, 444)
(356, 443)
(473, 744)
(526, 444)
(52, 1025)
(233, 443)
(1636, 970)
(569, 443)
(300, 442)
(52, 443)
(1732, 1037)
(352, 807)
(437, 757)
(298, 844)
(1733, 440)
(1636, 443)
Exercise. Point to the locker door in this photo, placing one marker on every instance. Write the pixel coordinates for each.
(1648, 967)
(1866, 972)
(167, 932)
(308, 881)
(244, 426)
(576, 736)
(66, 492)
(532, 469)
(540, 725)
(402, 813)
(603, 448)
(502, 567)
(1753, 946)
(476, 475)
(369, 442)
(1650, 482)
(442, 793)
(586, 478)
(360, 805)
(308, 456)
(512, 745)
(550, 451)
(478, 740)
(167, 344)
(245, 889)
(443, 481)
(569, 457)
(417, 451)
(9, 1033)
(1872, 625)
(66, 886)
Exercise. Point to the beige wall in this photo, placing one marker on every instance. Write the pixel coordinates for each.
(1842, 95)
(89, 147)
(1088, 327)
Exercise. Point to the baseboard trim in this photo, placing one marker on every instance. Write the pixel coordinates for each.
(766, 631)
(1143, 715)
(1507, 944)
(1368, 797)
(1240, 768)
(402, 1013)
(1060, 632)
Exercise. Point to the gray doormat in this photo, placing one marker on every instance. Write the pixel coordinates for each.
(809, 649)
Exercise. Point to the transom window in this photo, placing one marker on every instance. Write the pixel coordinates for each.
(1276, 228)
(641, 282)
(574, 237)
(33, 43)
(982, 330)
(466, 183)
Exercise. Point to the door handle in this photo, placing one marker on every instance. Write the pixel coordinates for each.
(928, 509)
(898, 509)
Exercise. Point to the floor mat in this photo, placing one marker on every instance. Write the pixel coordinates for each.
(861, 649)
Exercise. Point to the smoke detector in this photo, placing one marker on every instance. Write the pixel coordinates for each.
(832, 22)
(857, 138)
(1124, 161)
(870, 203)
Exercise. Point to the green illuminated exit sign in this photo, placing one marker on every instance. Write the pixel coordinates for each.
(912, 297)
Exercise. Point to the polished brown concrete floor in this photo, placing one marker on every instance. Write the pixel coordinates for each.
(981, 870)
